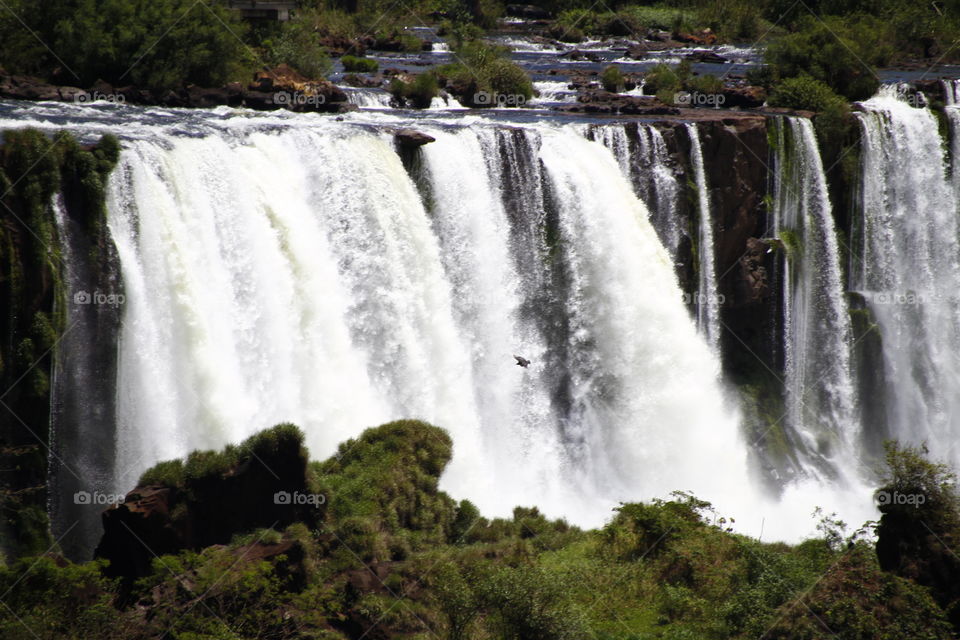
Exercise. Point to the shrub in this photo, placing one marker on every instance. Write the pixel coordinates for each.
(299, 46)
(484, 77)
(530, 602)
(706, 84)
(837, 55)
(804, 92)
(920, 523)
(51, 598)
(359, 65)
(418, 93)
(150, 43)
(641, 529)
(612, 79)
(385, 481)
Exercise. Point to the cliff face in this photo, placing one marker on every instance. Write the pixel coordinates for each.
(33, 169)
(736, 155)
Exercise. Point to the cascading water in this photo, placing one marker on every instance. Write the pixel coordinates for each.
(951, 92)
(297, 276)
(820, 394)
(707, 303)
(646, 161)
(905, 265)
(292, 268)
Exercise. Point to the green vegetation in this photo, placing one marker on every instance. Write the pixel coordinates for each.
(677, 84)
(612, 79)
(150, 43)
(358, 65)
(483, 76)
(394, 555)
(34, 167)
(296, 44)
(418, 92)
(838, 53)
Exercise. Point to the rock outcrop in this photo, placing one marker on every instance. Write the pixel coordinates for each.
(208, 500)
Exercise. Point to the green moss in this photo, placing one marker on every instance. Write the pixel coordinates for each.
(791, 242)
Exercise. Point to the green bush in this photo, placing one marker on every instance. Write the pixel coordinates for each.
(359, 65)
(530, 602)
(706, 84)
(418, 93)
(612, 79)
(485, 77)
(384, 482)
(299, 46)
(51, 598)
(641, 529)
(805, 93)
(837, 54)
(157, 44)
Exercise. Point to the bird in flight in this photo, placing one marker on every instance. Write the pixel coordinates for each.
(522, 362)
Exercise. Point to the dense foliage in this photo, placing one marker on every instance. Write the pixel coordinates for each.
(156, 44)
(395, 557)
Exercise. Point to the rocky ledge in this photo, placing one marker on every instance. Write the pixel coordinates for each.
(278, 88)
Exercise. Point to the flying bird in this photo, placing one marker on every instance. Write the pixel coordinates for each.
(522, 362)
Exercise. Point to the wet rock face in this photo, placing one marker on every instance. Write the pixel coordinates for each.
(735, 152)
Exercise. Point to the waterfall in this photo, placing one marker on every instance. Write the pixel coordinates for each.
(820, 394)
(302, 274)
(707, 302)
(905, 265)
(646, 161)
(951, 92)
